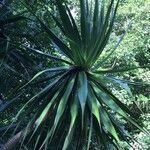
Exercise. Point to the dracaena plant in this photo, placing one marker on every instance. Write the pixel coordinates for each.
(76, 101)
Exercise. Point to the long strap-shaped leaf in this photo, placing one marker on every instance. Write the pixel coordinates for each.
(60, 110)
(96, 22)
(106, 99)
(76, 32)
(58, 23)
(100, 39)
(111, 52)
(65, 50)
(82, 92)
(76, 37)
(66, 20)
(44, 114)
(40, 94)
(36, 51)
(101, 42)
(101, 71)
(48, 105)
(74, 113)
(94, 106)
(90, 132)
(44, 71)
(57, 41)
(121, 105)
(83, 21)
(100, 19)
(122, 84)
(123, 134)
(105, 90)
(107, 35)
(108, 124)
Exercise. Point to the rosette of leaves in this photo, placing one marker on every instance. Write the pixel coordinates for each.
(76, 101)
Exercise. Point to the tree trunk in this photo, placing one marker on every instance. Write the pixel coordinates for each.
(13, 142)
(16, 139)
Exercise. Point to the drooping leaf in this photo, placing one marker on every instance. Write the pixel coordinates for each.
(90, 132)
(44, 71)
(108, 124)
(94, 105)
(60, 110)
(82, 92)
(74, 113)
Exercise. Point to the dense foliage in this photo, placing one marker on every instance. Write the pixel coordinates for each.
(69, 77)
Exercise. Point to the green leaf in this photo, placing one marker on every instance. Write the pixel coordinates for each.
(36, 51)
(67, 24)
(27, 130)
(37, 141)
(96, 17)
(106, 92)
(44, 113)
(83, 21)
(58, 24)
(62, 46)
(62, 104)
(108, 124)
(76, 32)
(57, 41)
(120, 129)
(119, 70)
(107, 35)
(122, 110)
(90, 132)
(60, 110)
(98, 45)
(82, 92)
(112, 51)
(122, 84)
(74, 113)
(106, 99)
(70, 29)
(94, 105)
(41, 93)
(44, 71)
